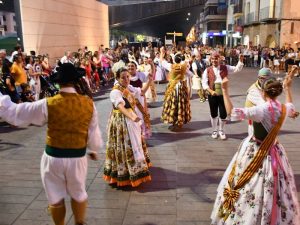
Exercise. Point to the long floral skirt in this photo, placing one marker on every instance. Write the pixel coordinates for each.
(176, 107)
(270, 195)
(121, 165)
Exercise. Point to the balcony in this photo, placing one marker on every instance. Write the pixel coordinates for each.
(215, 17)
(251, 19)
(269, 14)
(216, 27)
(238, 8)
(211, 3)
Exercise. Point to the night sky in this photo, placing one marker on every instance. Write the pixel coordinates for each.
(7, 5)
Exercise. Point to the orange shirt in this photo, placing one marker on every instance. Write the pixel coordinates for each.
(18, 73)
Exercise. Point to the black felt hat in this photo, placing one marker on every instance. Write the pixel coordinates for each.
(67, 73)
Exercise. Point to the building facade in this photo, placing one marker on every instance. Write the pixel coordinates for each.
(271, 23)
(54, 27)
(7, 23)
(234, 23)
(212, 22)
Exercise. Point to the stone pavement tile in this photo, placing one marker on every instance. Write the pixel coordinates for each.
(108, 195)
(42, 214)
(163, 177)
(193, 222)
(192, 215)
(161, 184)
(7, 218)
(95, 221)
(162, 156)
(194, 206)
(145, 191)
(153, 200)
(21, 183)
(23, 199)
(139, 209)
(204, 188)
(196, 197)
(134, 219)
(107, 203)
(43, 205)
(162, 162)
(16, 208)
(25, 177)
(112, 214)
(166, 168)
(33, 222)
(20, 191)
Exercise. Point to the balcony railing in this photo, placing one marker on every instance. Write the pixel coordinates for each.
(269, 13)
(211, 2)
(238, 8)
(215, 17)
(251, 18)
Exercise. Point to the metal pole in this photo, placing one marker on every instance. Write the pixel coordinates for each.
(174, 39)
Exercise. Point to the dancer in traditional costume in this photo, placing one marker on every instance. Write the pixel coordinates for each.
(255, 95)
(72, 128)
(211, 82)
(258, 187)
(127, 160)
(198, 67)
(136, 80)
(176, 107)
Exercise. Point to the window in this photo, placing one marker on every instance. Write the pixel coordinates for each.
(4, 18)
(292, 28)
(5, 28)
(15, 28)
(14, 18)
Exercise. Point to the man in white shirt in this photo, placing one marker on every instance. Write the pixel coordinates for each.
(69, 135)
(211, 82)
(67, 58)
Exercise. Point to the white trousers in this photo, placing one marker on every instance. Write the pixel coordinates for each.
(64, 176)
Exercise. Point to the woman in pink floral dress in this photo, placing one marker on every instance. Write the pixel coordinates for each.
(258, 187)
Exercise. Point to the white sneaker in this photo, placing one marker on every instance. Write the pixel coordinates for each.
(214, 135)
(222, 135)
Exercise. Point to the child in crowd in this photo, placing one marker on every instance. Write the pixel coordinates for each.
(26, 95)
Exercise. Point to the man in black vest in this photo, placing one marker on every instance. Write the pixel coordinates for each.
(198, 67)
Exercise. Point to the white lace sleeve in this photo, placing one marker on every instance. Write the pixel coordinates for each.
(116, 97)
(290, 109)
(23, 114)
(255, 113)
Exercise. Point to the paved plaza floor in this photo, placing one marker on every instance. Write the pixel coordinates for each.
(187, 167)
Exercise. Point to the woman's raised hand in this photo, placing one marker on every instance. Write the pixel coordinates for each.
(289, 78)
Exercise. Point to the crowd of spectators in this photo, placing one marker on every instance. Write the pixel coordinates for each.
(27, 77)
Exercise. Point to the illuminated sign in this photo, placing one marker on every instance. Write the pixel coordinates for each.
(216, 34)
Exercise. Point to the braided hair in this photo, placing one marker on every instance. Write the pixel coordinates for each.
(272, 87)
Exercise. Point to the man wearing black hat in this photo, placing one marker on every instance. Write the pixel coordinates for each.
(72, 128)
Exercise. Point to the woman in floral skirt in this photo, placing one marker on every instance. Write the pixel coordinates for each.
(258, 187)
(127, 160)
